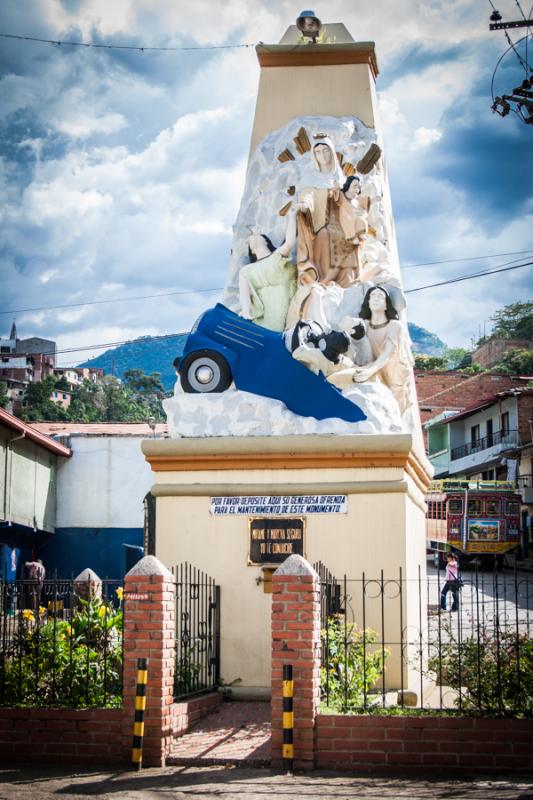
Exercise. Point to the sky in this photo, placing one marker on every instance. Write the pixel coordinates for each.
(121, 172)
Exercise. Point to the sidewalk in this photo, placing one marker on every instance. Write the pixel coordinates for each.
(234, 734)
(180, 783)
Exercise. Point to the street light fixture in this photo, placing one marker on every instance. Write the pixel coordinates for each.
(309, 25)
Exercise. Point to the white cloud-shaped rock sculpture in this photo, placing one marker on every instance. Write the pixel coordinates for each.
(237, 413)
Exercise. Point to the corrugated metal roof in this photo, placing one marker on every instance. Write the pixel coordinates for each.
(101, 429)
(33, 433)
(489, 401)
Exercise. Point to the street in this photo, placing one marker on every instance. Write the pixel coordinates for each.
(179, 783)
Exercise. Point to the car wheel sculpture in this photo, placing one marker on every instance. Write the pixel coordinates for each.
(205, 371)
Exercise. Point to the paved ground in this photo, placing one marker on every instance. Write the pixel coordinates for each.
(230, 783)
(234, 732)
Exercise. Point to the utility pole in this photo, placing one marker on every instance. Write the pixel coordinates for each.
(520, 100)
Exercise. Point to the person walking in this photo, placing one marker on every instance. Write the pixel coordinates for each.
(36, 574)
(451, 583)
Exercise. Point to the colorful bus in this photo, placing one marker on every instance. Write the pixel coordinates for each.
(476, 519)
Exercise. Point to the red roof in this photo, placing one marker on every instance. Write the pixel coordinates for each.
(30, 432)
(489, 401)
(101, 429)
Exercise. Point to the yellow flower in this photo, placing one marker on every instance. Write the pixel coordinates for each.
(102, 611)
(28, 615)
(68, 630)
(120, 593)
(42, 610)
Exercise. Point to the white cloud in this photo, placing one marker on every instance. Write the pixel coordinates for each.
(80, 125)
(426, 136)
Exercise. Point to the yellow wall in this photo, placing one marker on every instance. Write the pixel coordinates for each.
(285, 93)
(383, 530)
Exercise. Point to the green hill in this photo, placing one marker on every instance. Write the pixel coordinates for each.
(156, 355)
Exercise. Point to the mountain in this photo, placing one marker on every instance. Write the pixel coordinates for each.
(425, 342)
(147, 353)
(156, 355)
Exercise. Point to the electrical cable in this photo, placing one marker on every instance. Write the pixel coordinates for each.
(115, 300)
(500, 61)
(220, 288)
(468, 277)
(470, 258)
(140, 48)
(517, 54)
(181, 333)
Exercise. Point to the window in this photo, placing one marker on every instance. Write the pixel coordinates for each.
(513, 508)
(474, 435)
(490, 431)
(505, 423)
(492, 508)
(475, 507)
(455, 505)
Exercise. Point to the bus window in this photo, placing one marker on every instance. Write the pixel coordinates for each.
(455, 505)
(492, 508)
(475, 507)
(513, 508)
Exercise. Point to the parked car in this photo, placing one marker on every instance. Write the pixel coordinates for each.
(223, 348)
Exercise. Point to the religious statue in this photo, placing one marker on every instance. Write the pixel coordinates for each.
(268, 283)
(392, 362)
(334, 220)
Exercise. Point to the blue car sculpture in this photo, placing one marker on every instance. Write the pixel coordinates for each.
(223, 347)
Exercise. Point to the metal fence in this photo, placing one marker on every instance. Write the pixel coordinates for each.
(61, 643)
(392, 644)
(197, 665)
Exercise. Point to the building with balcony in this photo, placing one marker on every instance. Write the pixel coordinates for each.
(484, 440)
(492, 440)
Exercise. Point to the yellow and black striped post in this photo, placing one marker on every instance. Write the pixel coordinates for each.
(287, 748)
(140, 706)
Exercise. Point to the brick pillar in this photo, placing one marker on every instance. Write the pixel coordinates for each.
(296, 641)
(149, 632)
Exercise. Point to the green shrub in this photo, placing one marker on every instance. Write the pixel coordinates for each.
(494, 674)
(76, 664)
(351, 665)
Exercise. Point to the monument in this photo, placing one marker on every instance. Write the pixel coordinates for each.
(294, 423)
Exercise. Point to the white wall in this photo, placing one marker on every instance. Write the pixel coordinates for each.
(103, 484)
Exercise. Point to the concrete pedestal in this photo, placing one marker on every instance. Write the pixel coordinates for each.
(382, 534)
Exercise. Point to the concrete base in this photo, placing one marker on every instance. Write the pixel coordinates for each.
(381, 533)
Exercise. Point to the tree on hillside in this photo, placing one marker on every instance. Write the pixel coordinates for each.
(517, 361)
(88, 403)
(38, 406)
(457, 357)
(140, 383)
(430, 363)
(514, 321)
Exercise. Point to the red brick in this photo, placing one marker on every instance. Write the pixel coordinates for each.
(404, 758)
(438, 759)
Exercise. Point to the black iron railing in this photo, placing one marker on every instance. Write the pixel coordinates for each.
(393, 645)
(197, 665)
(492, 440)
(61, 643)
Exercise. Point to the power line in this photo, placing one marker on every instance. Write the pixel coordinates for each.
(139, 48)
(101, 346)
(184, 333)
(115, 300)
(471, 258)
(220, 288)
(469, 277)
(500, 61)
